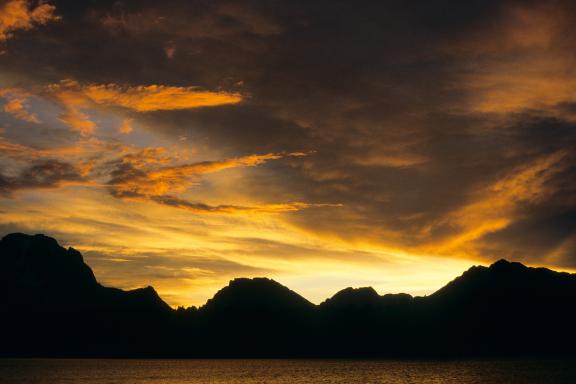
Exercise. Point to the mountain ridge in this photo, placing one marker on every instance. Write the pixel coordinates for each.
(54, 306)
(253, 283)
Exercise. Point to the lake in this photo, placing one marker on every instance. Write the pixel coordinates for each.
(102, 371)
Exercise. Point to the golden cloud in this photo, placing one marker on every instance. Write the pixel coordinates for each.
(131, 181)
(141, 174)
(233, 209)
(495, 207)
(134, 179)
(393, 160)
(75, 98)
(18, 15)
(157, 97)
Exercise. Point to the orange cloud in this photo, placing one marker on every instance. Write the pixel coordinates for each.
(142, 174)
(73, 103)
(157, 97)
(75, 98)
(16, 104)
(16, 108)
(83, 150)
(22, 152)
(393, 160)
(18, 15)
(147, 156)
(130, 181)
(126, 127)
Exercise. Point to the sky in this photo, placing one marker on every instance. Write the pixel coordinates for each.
(325, 144)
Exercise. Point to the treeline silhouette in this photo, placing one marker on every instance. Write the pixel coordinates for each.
(52, 305)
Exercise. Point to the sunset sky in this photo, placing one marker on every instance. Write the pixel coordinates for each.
(325, 144)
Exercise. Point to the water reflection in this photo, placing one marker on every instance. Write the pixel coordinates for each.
(99, 371)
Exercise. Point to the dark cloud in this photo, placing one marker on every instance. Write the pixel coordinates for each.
(547, 236)
(41, 174)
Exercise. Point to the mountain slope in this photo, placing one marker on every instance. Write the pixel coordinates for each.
(39, 262)
(35, 269)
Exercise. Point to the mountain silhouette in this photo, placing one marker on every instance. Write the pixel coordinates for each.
(35, 269)
(365, 298)
(258, 294)
(39, 262)
(52, 305)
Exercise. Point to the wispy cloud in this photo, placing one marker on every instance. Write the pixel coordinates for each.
(232, 209)
(77, 99)
(496, 207)
(74, 104)
(130, 179)
(139, 177)
(157, 97)
(146, 174)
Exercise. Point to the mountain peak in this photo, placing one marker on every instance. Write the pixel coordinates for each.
(501, 262)
(363, 298)
(256, 294)
(245, 282)
(352, 298)
(504, 281)
(39, 261)
(505, 265)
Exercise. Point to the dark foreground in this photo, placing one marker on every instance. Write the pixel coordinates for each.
(550, 371)
(53, 306)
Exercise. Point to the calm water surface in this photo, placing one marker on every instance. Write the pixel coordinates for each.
(286, 371)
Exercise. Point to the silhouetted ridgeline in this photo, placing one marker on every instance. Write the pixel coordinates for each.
(52, 305)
